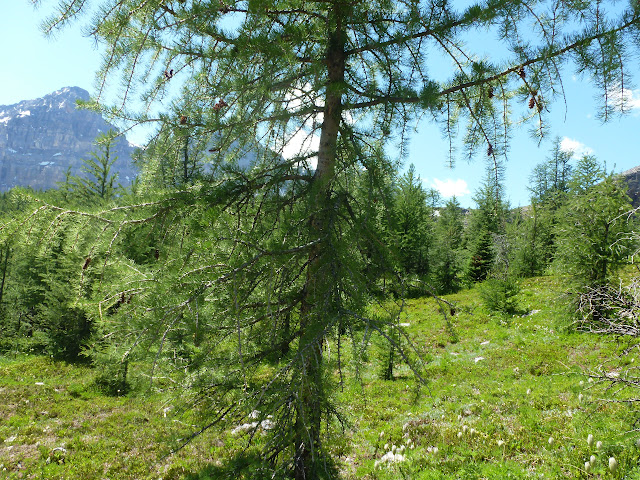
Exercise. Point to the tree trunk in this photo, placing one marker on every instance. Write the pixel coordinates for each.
(185, 161)
(4, 271)
(316, 303)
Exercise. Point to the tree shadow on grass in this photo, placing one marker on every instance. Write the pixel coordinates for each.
(242, 466)
(250, 466)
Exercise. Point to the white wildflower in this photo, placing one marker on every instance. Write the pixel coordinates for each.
(390, 457)
(590, 440)
(613, 465)
(592, 460)
(587, 467)
(580, 397)
(550, 441)
(528, 391)
(267, 424)
(459, 434)
(244, 428)
(599, 445)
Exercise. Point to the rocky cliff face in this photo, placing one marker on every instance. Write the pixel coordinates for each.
(632, 176)
(41, 138)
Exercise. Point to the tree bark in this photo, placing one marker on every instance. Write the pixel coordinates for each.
(316, 302)
(5, 259)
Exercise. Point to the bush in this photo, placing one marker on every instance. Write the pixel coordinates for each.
(68, 329)
(499, 295)
(112, 379)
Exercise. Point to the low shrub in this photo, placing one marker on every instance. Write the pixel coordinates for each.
(499, 295)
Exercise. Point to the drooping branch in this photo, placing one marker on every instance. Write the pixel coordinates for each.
(458, 87)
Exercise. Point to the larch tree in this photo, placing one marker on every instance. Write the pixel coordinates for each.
(319, 88)
(486, 223)
(593, 232)
(97, 183)
(412, 224)
(549, 180)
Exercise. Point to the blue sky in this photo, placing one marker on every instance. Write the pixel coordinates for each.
(34, 66)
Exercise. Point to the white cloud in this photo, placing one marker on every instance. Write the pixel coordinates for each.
(626, 99)
(450, 187)
(305, 141)
(302, 143)
(578, 149)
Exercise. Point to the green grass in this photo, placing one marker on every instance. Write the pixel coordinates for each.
(516, 381)
(513, 381)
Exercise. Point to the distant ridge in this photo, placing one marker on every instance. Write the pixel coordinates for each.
(41, 138)
(632, 177)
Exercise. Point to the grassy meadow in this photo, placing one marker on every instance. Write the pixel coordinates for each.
(506, 397)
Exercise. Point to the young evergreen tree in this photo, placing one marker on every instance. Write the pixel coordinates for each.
(550, 179)
(173, 159)
(593, 234)
(487, 221)
(549, 187)
(447, 256)
(97, 183)
(44, 283)
(334, 77)
(375, 194)
(412, 224)
(526, 234)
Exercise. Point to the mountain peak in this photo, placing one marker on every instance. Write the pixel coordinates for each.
(41, 138)
(65, 93)
(71, 92)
